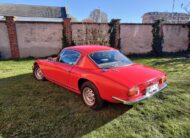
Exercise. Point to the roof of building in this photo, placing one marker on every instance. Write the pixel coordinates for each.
(166, 13)
(22, 10)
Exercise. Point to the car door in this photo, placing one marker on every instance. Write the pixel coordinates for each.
(63, 67)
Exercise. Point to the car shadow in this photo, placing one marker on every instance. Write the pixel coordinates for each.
(35, 108)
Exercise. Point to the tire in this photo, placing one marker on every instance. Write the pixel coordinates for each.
(37, 73)
(90, 96)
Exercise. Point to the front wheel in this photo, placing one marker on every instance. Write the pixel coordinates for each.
(38, 73)
(90, 96)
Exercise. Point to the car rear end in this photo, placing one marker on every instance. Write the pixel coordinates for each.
(144, 90)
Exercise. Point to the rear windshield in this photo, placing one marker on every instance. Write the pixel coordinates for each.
(110, 59)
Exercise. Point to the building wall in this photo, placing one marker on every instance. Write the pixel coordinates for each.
(175, 38)
(4, 41)
(136, 39)
(39, 39)
(90, 33)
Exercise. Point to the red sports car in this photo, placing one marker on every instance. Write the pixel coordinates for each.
(99, 74)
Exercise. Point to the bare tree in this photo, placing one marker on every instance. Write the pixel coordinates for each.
(87, 20)
(99, 16)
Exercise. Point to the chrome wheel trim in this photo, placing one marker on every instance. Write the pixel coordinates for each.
(88, 96)
(39, 74)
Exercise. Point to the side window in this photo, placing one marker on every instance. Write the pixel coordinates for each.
(69, 57)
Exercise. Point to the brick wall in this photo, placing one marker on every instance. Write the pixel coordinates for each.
(11, 28)
(175, 38)
(136, 38)
(90, 33)
(39, 39)
(21, 39)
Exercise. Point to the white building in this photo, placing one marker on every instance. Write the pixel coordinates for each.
(167, 17)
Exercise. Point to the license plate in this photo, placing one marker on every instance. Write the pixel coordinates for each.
(152, 89)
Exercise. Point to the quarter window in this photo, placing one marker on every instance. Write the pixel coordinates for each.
(69, 57)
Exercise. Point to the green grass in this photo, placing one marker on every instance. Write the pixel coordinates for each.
(42, 109)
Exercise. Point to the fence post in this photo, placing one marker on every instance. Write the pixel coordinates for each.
(11, 28)
(67, 32)
(115, 33)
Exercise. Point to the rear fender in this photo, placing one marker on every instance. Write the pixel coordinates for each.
(107, 88)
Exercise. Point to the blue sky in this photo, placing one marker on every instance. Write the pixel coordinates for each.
(126, 10)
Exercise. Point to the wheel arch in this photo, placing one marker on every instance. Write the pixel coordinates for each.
(83, 80)
(36, 63)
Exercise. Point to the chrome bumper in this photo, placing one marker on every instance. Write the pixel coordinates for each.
(140, 99)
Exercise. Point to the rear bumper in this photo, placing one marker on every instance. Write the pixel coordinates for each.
(140, 99)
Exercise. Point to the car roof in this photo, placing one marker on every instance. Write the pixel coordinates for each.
(90, 48)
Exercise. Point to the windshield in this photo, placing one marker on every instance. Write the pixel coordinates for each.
(110, 59)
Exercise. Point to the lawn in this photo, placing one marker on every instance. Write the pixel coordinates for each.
(42, 109)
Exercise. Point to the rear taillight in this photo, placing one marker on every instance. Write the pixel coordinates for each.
(133, 91)
(163, 79)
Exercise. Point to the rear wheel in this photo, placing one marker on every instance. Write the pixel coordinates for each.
(90, 96)
(38, 73)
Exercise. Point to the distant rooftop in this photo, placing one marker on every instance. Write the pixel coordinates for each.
(22, 10)
(167, 17)
(166, 13)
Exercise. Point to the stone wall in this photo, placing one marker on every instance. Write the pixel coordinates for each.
(136, 38)
(4, 42)
(39, 39)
